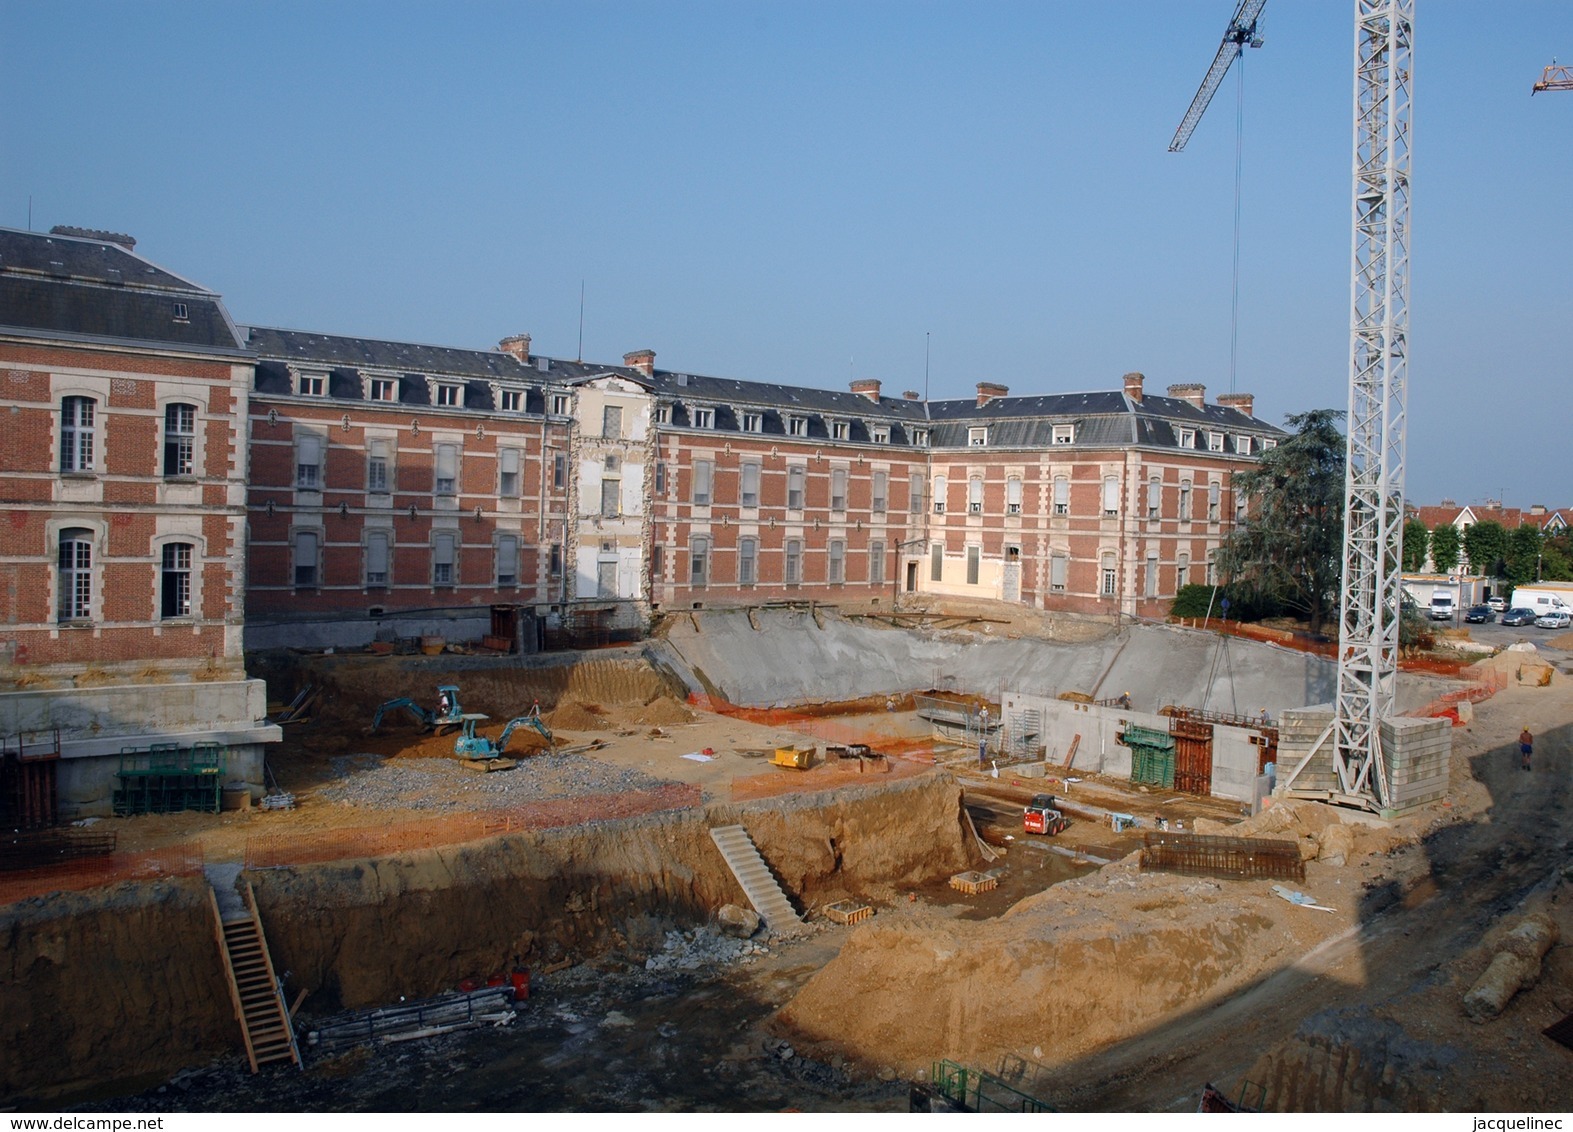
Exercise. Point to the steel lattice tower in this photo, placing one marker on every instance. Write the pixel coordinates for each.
(1378, 372)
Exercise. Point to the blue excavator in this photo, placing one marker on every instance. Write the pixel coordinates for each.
(448, 713)
(472, 746)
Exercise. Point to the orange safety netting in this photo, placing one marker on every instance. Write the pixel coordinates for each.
(182, 860)
(1445, 706)
(266, 851)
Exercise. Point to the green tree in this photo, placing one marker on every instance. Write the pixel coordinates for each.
(1417, 541)
(1290, 549)
(1555, 566)
(1486, 545)
(1444, 547)
(1523, 555)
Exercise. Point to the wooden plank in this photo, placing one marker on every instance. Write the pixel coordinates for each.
(234, 987)
(1070, 755)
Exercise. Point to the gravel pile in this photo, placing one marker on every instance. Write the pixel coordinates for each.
(442, 785)
(702, 948)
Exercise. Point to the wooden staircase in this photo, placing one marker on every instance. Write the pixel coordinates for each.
(258, 999)
(759, 884)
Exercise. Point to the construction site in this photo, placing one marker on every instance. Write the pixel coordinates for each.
(785, 811)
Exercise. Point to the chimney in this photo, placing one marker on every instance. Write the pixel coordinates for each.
(516, 344)
(868, 387)
(988, 391)
(118, 238)
(1245, 402)
(910, 395)
(1133, 386)
(641, 360)
(1194, 394)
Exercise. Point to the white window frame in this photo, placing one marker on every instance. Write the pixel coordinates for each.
(915, 485)
(920, 438)
(975, 495)
(1150, 581)
(792, 569)
(797, 426)
(312, 580)
(876, 562)
(879, 434)
(1185, 501)
(511, 401)
(1059, 571)
(836, 562)
(840, 430)
(78, 434)
(180, 573)
(838, 490)
(704, 418)
(1108, 570)
(941, 490)
(1182, 572)
(180, 440)
(311, 383)
(377, 579)
(1268, 443)
(1064, 434)
(978, 436)
(1154, 499)
(1214, 441)
(1013, 495)
(879, 492)
(797, 473)
(505, 569)
(76, 581)
(753, 422)
(445, 458)
(699, 562)
(1111, 497)
(310, 456)
(663, 414)
(1242, 445)
(1187, 438)
(1062, 495)
(382, 389)
(559, 404)
(1214, 501)
(444, 574)
(510, 462)
(449, 395)
(703, 492)
(748, 484)
(747, 560)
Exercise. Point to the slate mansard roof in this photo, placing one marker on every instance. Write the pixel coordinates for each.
(88, 289)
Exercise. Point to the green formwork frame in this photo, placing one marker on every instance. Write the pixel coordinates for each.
(1152, 756)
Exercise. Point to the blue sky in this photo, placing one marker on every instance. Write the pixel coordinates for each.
(801, 193)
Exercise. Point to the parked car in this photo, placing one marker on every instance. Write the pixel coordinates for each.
(1556, 619)
(1497, 604)
(1519, 616)
(1480, 613)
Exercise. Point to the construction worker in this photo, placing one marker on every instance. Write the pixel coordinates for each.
(444, 705)
(983, 753)
(535, 709)
(1526, 745)
(1125, 700)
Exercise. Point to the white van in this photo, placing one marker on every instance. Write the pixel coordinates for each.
(1442, 605)
(1544, 597)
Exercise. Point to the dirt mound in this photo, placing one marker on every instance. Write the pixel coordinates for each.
(661, 711)
(578, 716)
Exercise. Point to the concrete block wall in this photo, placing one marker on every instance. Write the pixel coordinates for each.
(1298, 730)
(1415, 754)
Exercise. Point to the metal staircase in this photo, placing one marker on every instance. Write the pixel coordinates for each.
(758, 883)
(254, 989)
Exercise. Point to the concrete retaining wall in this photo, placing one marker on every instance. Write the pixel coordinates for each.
(357, 631)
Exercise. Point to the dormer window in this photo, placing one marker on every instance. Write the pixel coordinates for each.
(977, 437)
(1268, 443)
(559, 404)
(797, 426)
(1215, 442)
(704, 418)
(1187, 438)
(181, 314)
(838, 430)
(311, 384)
(920, 438)
(1064, 433)
(448, 395)
(751, 422)
(382, 389)
(880, 434)
(511, 401)
(1242, 445)
(663, 414)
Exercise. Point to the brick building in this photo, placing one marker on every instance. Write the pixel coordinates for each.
(122, 476)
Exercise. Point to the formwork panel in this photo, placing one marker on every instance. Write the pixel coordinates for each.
(1195, 854)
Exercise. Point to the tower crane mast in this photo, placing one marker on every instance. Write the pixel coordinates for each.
(1378, 378)
(1240, 33)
